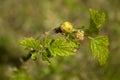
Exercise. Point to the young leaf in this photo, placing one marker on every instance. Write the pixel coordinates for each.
(62, 48)
(30, 43)
(99, 47)
(45, 57)
(96, 20)
(34, 56)
(46, 42)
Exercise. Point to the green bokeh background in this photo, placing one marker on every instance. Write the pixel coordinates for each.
(26, 18)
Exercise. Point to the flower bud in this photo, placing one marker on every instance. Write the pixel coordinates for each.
(79, 34)
(66, 27)
(33, 57)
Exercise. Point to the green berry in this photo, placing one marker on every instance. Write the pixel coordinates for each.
(66, 27)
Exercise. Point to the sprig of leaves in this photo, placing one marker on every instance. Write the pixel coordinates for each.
(51, 47)
(99, 45)
(48, 47)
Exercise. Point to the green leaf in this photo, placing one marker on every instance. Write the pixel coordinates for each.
(46, 42)
(30, 43)
(62, 47)
(96, 20)
(99, 47)
(45, 57)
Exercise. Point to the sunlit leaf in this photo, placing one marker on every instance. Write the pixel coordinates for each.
(96, 20)
(62, 48)
(46, 42)
(99, 47)
(30, 43)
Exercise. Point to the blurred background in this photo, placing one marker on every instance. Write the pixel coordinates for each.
(26, 18)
